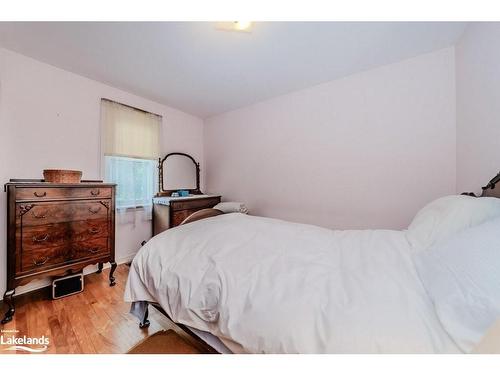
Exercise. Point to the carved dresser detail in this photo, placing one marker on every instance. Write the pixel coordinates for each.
(56, 230)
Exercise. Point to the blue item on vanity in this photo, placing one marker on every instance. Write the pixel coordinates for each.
(183, 193)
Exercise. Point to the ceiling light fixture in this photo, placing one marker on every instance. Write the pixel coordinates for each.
(244, 26)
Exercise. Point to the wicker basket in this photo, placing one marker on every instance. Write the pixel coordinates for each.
(62, 176)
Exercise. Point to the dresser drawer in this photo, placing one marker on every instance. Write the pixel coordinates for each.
(48, 193)
(49, 235)
(50, 212)
(194, 203)
(40, 259)
(179, 216)
(89, 229)
(72, 252)
(91, 249)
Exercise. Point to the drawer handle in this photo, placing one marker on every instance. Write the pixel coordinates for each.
(94, 250)
(40, 262)
(39, 216)
(40, 195)
(95, 192)
(95, 210)
(94, 230)
(41, 239)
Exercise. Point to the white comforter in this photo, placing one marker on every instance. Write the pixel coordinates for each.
(269, 286)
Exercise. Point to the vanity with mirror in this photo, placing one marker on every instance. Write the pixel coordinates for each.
(179, 193)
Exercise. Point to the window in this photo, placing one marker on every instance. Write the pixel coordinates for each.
(131, 143)
(135, 179)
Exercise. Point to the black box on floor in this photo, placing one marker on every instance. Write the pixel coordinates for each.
(67, 285)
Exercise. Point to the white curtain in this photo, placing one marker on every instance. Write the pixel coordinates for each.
(130, 132)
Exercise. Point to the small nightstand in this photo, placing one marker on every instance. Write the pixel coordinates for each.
(168, 212)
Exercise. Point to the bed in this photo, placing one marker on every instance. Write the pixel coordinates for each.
(247, 284)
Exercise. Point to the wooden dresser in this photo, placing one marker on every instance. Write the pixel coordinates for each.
(57, 229)
(170, 212)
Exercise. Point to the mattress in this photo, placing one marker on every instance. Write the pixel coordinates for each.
(269, 286)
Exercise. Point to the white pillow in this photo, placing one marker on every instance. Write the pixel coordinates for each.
(446, 216)
(462, 278)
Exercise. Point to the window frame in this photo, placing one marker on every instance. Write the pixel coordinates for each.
(102, 157)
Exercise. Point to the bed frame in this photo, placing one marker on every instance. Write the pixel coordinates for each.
(492, 189)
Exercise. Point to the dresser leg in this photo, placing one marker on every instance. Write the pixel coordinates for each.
(99, 267)
(111, 272)
(8, 298)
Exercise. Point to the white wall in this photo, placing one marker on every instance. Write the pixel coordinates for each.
(49, 118)
(365, 151)
(478, 105)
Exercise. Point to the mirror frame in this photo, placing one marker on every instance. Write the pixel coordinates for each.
(161, 191)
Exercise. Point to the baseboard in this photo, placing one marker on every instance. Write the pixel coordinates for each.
(45, 282)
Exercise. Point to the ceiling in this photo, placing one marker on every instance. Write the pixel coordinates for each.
(196, 68)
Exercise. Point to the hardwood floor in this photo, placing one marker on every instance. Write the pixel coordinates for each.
(94, 321)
